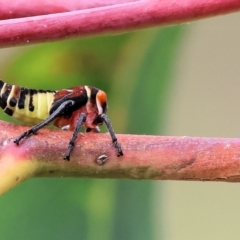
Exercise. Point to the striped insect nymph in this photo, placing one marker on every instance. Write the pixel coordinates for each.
(68, 109)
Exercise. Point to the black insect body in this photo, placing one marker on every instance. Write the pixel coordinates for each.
(67, 109)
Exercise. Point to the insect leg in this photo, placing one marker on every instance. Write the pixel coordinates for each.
(81, 119)
(59, 111)
(116, 144)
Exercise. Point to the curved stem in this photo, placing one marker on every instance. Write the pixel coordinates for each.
(27, 8)
(110, 19)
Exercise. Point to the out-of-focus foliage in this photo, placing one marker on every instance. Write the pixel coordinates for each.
(135, 70)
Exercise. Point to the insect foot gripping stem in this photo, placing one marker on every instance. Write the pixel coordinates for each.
(119, 148)
(116, 144)
(23, 135)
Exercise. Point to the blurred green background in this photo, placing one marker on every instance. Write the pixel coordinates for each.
(135, 70)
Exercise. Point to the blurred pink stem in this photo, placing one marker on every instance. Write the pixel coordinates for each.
(27, 8)
(116, 18)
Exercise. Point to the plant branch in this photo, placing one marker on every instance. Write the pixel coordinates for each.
(27, 8)
(145, 157)
(116, 18)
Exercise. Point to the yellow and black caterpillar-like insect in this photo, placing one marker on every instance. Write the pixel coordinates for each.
(67, 109)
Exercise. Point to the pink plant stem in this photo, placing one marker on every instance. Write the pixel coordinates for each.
(145, 157)
(27, 8)
(111, 19)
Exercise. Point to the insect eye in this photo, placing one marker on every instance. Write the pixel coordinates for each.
(102, 97)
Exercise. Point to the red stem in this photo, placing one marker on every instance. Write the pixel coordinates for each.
(27, 8)
(145, 157)
(110, 19)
